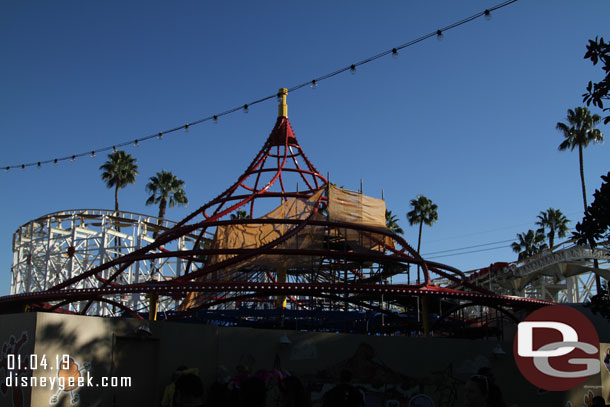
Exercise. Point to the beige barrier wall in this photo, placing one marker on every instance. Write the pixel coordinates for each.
(384, 368)
(17, 338)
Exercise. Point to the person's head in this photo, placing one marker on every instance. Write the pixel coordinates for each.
(345, 376)
(189, 391)
(253, 392)
(293, 392)
(179, 370)
(598, 401)
(476, 391)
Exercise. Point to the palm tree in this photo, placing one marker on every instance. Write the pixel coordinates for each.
(555, 222)
(579, 132)
(529, 243)
(424, 212)
(120, 169)
(165, 188)
(240, 214)
(391, 221)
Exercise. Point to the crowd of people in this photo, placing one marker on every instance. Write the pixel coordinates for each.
(264, 388)
(281, 389)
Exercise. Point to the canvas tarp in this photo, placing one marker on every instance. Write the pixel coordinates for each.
(252, 236)
(354, 207)
(343, 206)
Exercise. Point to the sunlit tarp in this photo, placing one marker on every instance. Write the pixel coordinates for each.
(350, 208)
(354, 207)
(252, 236)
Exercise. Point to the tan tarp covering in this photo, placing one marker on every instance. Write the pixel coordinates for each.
(343, 206)
(353, 207)
(257, 235)
(252, 236)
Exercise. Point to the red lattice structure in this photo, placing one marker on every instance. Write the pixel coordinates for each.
(318, 250)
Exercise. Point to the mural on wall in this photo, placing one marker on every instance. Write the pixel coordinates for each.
(10, 349)
(382, 386)
(68, 376)
(371, 381)
(587, 400)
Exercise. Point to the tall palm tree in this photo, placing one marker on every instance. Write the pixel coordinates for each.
(120, 169)
(579, 132)
(240, 214)
(555, 222)
(391, 221)
(165, 189)
(529, 243)
(424, 212)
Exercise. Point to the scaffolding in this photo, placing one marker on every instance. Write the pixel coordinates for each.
(281, 238)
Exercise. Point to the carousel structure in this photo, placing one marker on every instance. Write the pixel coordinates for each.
(320, 258)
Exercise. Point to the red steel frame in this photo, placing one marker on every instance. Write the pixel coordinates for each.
(281, 148)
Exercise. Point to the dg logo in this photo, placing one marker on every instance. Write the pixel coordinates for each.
(556, 348)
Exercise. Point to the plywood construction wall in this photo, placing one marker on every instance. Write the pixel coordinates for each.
(385, 368)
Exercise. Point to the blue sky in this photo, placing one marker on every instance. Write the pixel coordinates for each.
(468, 121)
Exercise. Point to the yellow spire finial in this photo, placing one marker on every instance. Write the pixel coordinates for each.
(283, 107)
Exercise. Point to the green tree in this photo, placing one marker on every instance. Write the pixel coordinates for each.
(240, 214)
(529, 244)
(119, 171)
(391, 221)
(553, 221)
(599, 51)
(165, 189)
(595, 226)
(579, 132)
(424, 212)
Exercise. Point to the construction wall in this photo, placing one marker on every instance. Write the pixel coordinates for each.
(383, 367)
(17, 338)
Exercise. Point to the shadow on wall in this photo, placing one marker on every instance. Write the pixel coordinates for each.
(106, 359)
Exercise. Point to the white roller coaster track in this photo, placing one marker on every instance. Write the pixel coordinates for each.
(61, 245)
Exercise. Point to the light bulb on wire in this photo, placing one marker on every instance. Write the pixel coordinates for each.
(439, 35)
(314, 84)
(246, 108)
(160, 136)
(487, 15)
(215, 119)
(352, 69)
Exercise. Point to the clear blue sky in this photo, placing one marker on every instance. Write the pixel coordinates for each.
(468, 121)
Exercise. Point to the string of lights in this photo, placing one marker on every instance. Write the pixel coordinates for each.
(312, 83)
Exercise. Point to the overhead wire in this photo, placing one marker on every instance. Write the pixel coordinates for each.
(469, 247)
(244, 106)
(468, 252)
(441, 253)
